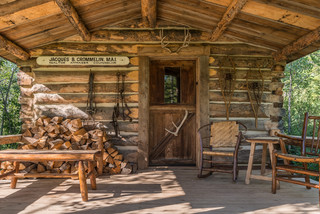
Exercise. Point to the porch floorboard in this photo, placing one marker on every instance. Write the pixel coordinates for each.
(157, 190)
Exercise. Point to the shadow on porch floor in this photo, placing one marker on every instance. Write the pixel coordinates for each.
(157, 190)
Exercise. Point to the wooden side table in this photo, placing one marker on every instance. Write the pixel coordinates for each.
(267, 143)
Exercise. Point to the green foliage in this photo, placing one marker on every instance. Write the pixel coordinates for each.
(305, 96)
(305, 91)
(9, 100)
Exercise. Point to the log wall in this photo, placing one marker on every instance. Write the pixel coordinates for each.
(62, 90)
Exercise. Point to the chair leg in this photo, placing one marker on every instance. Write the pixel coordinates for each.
(201, 165)
(235, 169)
(15, 179)
(307, 178)
(274, 174)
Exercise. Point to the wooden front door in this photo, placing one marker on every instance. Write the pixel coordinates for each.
(172, 92)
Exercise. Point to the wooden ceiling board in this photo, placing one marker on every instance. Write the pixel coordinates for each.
(54, 34)
(274, 13)
(113, 20)
(36, 27)
(305, 9)
(18, 5)
(187, 17)
(196, 6)
(279, 35)
(252, 40)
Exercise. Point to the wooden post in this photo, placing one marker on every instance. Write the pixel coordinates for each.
(202, 97)
(83, 182)
(72, 15)
(92, 176)
(144, 76)
(149, 13)
(15, 179)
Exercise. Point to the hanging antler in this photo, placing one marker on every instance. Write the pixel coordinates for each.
(186, 41)
(178, 127)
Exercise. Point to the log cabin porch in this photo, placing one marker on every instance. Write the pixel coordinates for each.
(57, 45)
(158, 190)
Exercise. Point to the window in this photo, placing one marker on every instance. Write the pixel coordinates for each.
(171, 85)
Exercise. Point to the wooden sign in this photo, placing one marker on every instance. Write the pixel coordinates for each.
(83, 60)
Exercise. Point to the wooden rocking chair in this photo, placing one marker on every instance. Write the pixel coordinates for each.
(224, 140)
(310, 151)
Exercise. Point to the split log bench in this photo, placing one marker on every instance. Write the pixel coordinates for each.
(81, 156)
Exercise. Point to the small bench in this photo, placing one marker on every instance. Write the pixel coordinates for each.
(54, 155)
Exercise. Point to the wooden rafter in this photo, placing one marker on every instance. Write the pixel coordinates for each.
(149, 13)
(13, 49)
(233, 9)
(298, 45)
(72, 15)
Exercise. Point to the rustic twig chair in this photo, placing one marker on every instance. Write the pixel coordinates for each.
(224, 140)
(310, 151)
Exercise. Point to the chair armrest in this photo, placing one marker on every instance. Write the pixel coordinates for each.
(8, 139)
(288, 136)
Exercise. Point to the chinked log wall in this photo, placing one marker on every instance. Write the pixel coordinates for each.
(58, 90)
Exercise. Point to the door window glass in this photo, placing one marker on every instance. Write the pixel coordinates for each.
(171, 85)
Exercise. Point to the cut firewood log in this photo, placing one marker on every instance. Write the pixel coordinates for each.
(50, 164)
(46, 121)
(75, 146)
(110, 150)
(40, 168)
(65, 166)
(31, 141)
(117, 162)
(115, 153)
(56, 144)
(39, 122)
(110, 160)
(28, 146)
(81, 132)
(57, 120)
(115, 170)
(27, 133)
(30, 167)
(118, 157)
(105, 155)
(42, 142)
(49, 128)
(63, 129)
(52, 134)
(66, 145)
(76, 123)
(57, 164)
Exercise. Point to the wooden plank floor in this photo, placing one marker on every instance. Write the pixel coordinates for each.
(157, 190)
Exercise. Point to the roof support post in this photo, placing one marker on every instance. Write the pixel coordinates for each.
(233, 9)
(149, 13)
(298, 45)
(13, 49)
(72, 15)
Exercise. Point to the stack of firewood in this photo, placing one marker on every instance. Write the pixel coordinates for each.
(65, 134)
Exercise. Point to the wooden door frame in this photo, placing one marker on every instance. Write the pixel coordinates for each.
(201, 55)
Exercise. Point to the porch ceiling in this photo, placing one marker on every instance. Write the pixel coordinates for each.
(288, 28)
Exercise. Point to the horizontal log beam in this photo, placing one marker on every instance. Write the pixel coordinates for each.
(149, 13)
(298, 45)
(233, 9)
(72, 15)
(13, 49)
